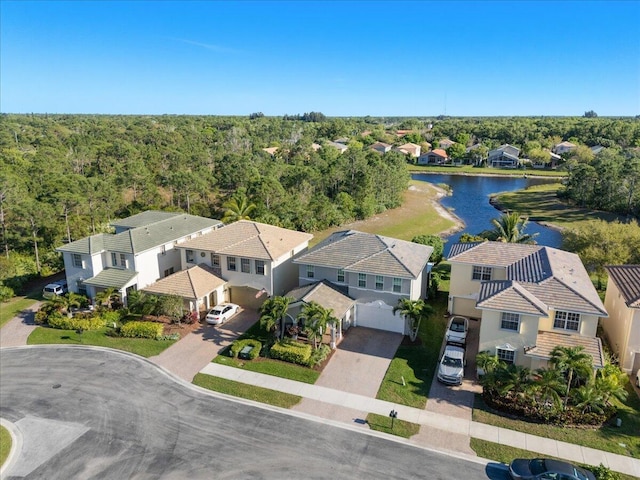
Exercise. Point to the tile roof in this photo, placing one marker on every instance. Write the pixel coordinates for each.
(195, 282)
(368, 253)
(627, 279)
(439, 152)
(566, 144)
(138, 239)
(143, 219)
(509, 296)
(112, 277)
(556, 278)
(326, 294)
(547, 341)
(245, 238)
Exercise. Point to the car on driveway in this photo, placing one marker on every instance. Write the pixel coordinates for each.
(55, 289)
(542, 468)
(221, 313)
(457, 330)
(451, 367)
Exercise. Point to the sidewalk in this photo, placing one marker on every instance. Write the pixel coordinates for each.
(544, 446)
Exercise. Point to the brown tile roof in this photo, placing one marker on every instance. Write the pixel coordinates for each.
(438, 151)
(325, 294)
(509, 296)
(245, 238)
(195, 282)
(547, 341)
(627, 279)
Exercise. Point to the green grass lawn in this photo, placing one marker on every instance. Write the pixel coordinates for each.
(10, 309)
(141, 346)
(624, 440)
(400, 428)
(471, 170)
(242, 390)
(271, 367)
(5, 444)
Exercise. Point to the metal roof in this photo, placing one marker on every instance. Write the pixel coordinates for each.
(112, 277)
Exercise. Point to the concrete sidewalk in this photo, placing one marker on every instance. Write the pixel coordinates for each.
(544, 446)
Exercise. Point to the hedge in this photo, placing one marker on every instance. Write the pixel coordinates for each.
(292, 352)
(240, 344)
(65, 323)
(137, 329)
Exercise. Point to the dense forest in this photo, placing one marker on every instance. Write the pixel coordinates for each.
(63, 177)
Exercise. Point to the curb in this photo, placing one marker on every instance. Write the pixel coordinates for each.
(16, 445)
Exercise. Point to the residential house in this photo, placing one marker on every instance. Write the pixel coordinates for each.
(445, 143)
(141, 251)
(409, 149)
(271, 150)
(340, 146)
(563, 147)
(622, 328)
(596, 149)
(434, 157)
(316, 146)
(254, 259)
(381, 147)
(375, 271)
(342, 140)
(553, 162)
(505, 156)
(529, 299)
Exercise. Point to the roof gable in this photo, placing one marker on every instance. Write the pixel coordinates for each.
(627, 279)
(195, 282)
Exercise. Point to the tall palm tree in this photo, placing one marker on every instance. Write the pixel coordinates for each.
(238, 207)
(316, 318)
(415, 311)
(106, 297)
(574, 363)
(272, 314)
(509, 228)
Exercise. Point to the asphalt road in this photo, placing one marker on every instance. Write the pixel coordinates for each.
(89, 414)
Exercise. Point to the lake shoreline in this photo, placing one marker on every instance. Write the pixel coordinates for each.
(490, 175)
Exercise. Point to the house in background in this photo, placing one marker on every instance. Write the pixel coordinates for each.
(505, 156)
(271, 150)
(141, 251)
(342, 140)
(529, 299)
(622, 328)
(375, 271)
(445, 143)
(596, 149)
(340, 146)
(380, 147)
(254, 259)
(553, 162)
(409, 149)
(434, 157)
(564, 147)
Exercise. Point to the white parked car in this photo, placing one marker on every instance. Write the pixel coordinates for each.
(457, 330)
(221, 313)
(451, 367)
(55, 289)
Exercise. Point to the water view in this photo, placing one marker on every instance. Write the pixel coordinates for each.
(470, 202)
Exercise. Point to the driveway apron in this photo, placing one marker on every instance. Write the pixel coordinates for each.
(16, 331)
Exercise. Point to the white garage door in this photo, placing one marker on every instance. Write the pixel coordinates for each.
(379, 315)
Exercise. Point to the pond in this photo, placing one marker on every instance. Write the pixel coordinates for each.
(470, 202)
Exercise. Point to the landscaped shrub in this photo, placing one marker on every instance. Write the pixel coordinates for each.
(6, 293)
(171, 336)
(603, 473)
(41, 316)
(238, 345)
(292, 352)
(141, 329)
(319, 355)
(111, 317)
(57, 320)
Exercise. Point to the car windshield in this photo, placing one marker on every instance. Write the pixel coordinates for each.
(457, 326)
(537, 466)
(452, 362)
(51, 289)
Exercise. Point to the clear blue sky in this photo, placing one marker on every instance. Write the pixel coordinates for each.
(378, 58)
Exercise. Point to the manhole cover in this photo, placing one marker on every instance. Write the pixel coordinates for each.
(57, 385)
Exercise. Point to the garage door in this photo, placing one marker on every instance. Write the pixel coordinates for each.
(465, 307)
(246, 297)
(379, 315)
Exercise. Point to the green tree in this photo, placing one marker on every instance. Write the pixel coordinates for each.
(574, 363)
(106, 297)
(548, 384)
(434, 241)
(509, 228)
(315, 319)
(238, 207)
(272, 314)
(415, 311)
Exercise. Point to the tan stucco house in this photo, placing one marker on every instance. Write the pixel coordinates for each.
(622, 328)
(528, 298)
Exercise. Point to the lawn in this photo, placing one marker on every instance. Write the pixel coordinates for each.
(242, 390)
(268, 366)
(400, 428)
(623, 440)
(10, 309)
(471, 170)
(5, 444)
(140, 346)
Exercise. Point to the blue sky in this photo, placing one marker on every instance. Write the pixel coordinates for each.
(378, 58)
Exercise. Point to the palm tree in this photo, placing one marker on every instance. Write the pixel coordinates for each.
(415, 311)
(237, 207)
(106, 297)
(609, 382)
(316, 318)
(587, 398)
(487, 362)
(272, 313)
(574, 363)
(509, 228)
(548, 384)
(513, 380)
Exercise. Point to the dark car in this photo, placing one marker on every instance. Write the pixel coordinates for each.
(542, 468)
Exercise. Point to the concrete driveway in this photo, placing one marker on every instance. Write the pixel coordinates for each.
(16, 331)
(191, 354)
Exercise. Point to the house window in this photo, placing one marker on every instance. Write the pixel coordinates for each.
(507, 355)
(215, 260)
(163, 250)
(362, 280)
(114, 259)
(168, 272)
(245, 265)
(567, 321)
(123, 260)
(379, 282)
(77, 260)
(397, 285)
(341, 275)
(510, 321)
(310, 271)
(231, 264)
(481, 273)
(190, 256)
(259, 264)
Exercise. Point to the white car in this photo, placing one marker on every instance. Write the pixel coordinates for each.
(221, 313)
(451, 367)
(457, 330)
(55, 289)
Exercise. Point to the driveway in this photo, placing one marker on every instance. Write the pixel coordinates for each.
(16, 331)
(192, 353)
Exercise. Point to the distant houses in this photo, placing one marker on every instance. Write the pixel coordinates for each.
(505, 156)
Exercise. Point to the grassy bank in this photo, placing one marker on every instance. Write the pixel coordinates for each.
(398, 427)
(5, 444)
(275, 368)
(13, 307)
(471, 170)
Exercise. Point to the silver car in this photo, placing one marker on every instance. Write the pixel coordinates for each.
(457, 330)
(451, 367)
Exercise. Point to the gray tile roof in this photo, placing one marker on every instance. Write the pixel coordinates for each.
(112, 277)
(195, 282)
(324, 293)
(547, 341)
(556, 278)
(509, 296)
(368, 253)
(627, 279)
(139, 239)
(249, 239)
(143, 219)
